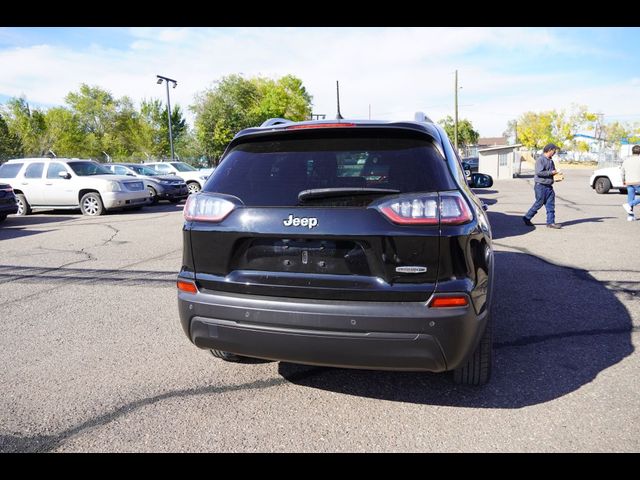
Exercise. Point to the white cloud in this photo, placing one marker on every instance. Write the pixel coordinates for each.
(395, 70)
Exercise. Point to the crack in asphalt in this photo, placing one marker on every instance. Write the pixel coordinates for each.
(47, 443)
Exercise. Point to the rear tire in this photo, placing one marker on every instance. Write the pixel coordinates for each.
(228, 357)
(477, 370)
(602, 185)
(23, 206)
(3, 217)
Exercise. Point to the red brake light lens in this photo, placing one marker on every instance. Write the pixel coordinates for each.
(444, 302)
(207, 208)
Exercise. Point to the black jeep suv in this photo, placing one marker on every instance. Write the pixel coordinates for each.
(352, 244)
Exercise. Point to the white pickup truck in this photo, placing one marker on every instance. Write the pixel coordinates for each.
(604, 179)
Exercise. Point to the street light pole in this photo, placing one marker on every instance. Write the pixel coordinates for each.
(175, 83)
(455, 125)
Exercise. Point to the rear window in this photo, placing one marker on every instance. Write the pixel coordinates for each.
(10, 170)
(273, 172)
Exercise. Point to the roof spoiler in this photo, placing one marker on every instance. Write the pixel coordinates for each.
(274, 121)
(421, 117)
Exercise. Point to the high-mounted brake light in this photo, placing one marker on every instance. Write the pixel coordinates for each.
(188, 287)
(427, 209)
(320, 125)
(207, 208)
(444, 302)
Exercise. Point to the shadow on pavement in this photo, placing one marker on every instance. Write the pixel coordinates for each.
(550, 338)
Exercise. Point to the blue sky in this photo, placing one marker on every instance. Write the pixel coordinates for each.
(503, 72)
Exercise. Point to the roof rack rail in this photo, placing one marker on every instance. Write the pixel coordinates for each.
(274, 121)
(421, 117)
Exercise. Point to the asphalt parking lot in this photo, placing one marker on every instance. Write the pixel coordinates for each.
(93, 358)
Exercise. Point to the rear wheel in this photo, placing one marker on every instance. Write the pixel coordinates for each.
(477, 370)
(91, 204)
(602, 185)
(229, 357)
(2, 217)
(23, 206)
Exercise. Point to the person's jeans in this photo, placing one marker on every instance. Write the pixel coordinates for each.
(544, 196)
(631, 195)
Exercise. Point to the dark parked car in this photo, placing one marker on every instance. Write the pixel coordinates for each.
(160, 187)
(8, 204)
(472, 163)
(353, 244)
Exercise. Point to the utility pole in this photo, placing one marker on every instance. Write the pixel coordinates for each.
(515, 131)
(455, 125)
(369, 111)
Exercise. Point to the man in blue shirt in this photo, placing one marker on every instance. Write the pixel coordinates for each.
(543, 188)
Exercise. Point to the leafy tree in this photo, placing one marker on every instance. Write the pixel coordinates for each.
(28, 125)
(535, 130)
(63, 133)
(156, 128)
(466, 134)
(10, 144)
(616, 132)
(235, 103)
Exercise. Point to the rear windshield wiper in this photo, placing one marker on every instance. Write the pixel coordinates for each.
(342, 192)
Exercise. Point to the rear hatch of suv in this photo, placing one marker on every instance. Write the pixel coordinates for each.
(331, 213)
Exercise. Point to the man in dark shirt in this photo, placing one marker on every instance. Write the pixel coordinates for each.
(543, 188)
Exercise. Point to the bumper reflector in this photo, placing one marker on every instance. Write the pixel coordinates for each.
(188, 287)
(440, 302)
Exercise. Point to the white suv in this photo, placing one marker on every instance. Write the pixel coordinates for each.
(193, 177)
(63, 183)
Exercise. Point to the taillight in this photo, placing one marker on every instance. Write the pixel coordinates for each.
(6, 189)
(419, 210)
(207, 208)
(450, 301)
(448, 208)
(454, 209)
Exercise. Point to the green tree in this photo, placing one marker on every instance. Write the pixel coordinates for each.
(535, 130)
(235, 103)
(28, 124)
(466, 133)
(616, 132)
(155, 129)
(63, 133)
(10, 145)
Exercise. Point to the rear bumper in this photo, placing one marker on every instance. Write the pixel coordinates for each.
(349, 334)
(8, 208)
